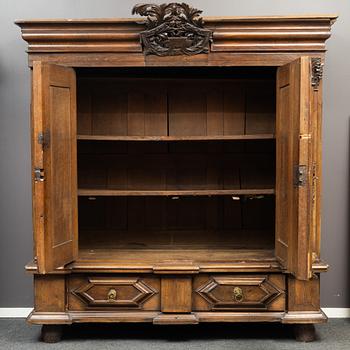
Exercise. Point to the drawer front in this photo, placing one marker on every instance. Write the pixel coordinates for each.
(239, 292)
(114, 291)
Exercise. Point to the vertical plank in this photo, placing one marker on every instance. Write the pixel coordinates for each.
(84, 109)
(176, 294)
(234, 111)
(136, 113)
(187, 112)
(260, 110)
(316, 127)
(109, 109)
(215, 113)
(156, 123)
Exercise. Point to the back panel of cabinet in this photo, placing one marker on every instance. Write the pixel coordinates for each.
(174, 107)
(176, 222)
(176, 165)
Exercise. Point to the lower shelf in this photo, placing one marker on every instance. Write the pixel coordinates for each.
(187, 260)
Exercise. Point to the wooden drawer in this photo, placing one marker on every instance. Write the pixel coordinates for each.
(113, 291)
(239, 292)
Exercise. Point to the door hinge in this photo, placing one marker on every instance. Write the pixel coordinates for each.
(44, 139)
(300, 175)
(38, 174)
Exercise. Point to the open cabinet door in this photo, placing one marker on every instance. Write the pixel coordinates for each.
(54, 162)
(293, 168)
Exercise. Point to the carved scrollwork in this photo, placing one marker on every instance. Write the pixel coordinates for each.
(317, 72)
(173, 29)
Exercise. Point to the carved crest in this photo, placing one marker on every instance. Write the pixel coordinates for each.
(173, 29)
(317, 72)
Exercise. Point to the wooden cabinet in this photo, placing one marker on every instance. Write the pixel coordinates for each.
(176, 178)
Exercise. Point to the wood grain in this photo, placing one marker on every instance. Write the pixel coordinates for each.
(54, 101)
(293, 142)
(176, 294)
(186, 168)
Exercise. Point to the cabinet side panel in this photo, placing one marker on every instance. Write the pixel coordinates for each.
(316, 120)
(303, 295)
(49, 293)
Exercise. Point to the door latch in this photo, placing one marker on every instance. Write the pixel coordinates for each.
(300, 175)
(38, 174)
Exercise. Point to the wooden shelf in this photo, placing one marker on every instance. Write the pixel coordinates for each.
(238, 192)
(185, 260)
(176, 138)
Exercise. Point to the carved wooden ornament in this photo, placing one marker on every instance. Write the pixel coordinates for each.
(317, 72)
(173, 29)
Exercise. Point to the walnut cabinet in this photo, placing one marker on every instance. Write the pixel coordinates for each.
(176, 169)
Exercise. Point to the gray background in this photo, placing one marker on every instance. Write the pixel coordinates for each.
(15, 186)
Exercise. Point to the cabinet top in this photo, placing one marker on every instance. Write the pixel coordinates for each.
(268, 40)
(210, 19)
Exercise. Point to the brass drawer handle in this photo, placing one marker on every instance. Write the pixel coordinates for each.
(112, 294)
(238, 294)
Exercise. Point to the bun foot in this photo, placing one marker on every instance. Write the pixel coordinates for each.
(304, 332)
(51, 333)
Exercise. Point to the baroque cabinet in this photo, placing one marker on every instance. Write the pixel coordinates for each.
(176, 168)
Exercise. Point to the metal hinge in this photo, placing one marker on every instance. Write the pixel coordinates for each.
(44, 139)
(38, 174)
(300, 175)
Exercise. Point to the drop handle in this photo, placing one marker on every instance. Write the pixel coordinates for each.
(238, 294)
(112, 295)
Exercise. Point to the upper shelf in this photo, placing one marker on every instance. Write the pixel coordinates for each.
(170, 193)
(175, 138)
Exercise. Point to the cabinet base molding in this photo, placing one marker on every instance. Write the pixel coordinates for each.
(305, 317)
(49, 318)
(176, 319)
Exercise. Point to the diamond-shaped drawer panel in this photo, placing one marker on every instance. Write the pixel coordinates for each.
(239, 292)
(124, 292)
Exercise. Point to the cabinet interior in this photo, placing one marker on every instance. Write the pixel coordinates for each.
(174, 163)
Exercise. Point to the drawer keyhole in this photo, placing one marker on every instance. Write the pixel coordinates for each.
(238, 294)
(112, 295)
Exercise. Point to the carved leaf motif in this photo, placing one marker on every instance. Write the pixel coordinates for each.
(173, 29)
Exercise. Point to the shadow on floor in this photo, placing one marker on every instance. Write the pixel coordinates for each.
(179, 333)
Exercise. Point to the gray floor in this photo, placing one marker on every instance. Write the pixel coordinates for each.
(16, 334)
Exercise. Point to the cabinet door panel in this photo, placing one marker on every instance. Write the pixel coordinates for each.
(55, 195)
(293, 154)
